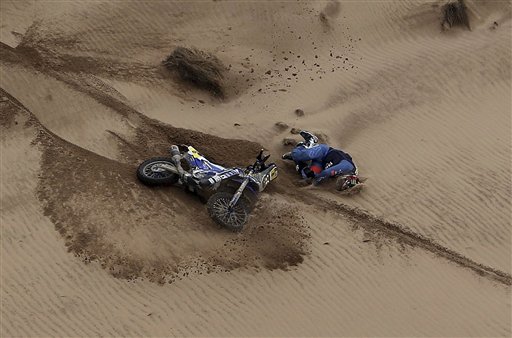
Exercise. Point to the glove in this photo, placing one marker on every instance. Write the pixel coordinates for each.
(299, 166)
(307, 172)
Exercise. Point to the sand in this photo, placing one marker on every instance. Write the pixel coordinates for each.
(423, 250)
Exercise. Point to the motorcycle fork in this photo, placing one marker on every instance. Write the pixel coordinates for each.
(177, 168)
(238, 193)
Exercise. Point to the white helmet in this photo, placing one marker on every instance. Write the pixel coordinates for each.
(310, 140)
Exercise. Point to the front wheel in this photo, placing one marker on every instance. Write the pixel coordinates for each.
(150, 173)
(233, 218)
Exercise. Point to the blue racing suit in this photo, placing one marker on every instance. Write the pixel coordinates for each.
(332, 161)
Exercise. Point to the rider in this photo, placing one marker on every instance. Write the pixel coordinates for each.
(319, 161)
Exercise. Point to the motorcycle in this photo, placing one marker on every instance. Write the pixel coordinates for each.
(232, 192)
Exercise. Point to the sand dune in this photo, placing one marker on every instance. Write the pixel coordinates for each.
(424, 249)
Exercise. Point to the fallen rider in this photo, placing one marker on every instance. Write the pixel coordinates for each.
(315, 162)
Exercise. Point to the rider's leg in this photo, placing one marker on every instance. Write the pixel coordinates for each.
(342, 168)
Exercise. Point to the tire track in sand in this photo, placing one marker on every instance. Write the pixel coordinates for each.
(403, 235)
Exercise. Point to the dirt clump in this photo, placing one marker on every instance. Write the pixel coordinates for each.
(200, 68)
(281, 126)
(455, 14)
(331, 10)
(289, 142)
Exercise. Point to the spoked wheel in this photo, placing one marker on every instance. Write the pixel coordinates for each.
(349, 185)
(346, 182)
(232, 218)
(341, 183)
(150, 173)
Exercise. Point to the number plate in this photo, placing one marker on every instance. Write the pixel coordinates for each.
(273, 173)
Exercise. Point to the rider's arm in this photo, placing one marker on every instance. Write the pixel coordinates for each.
(316, 153)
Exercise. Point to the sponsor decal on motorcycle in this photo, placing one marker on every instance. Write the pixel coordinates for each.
(273, 173)
(220, 177)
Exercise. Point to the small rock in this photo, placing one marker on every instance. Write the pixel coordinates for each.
(366, 238)
(281, 126)
(201, 101)
(236, 124)
(268, 72)
(326, 243)
(295, 131)
(299, 112)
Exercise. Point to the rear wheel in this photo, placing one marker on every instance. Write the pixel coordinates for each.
(346, 182)
(150, 173)
(341, 183)
(233, 218)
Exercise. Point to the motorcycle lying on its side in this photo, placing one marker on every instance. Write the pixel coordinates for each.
(231, 192)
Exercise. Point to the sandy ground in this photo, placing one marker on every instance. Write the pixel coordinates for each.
(423, 250)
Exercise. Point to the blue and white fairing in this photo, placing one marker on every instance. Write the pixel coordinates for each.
(198, 162)
(203, 168)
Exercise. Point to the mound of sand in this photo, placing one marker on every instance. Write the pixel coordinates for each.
(455, 14)
(198, 67)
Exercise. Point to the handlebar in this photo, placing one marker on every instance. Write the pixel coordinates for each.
(259, 164)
